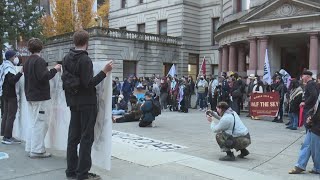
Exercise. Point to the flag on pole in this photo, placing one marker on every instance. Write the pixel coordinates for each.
(203, 66)
(172, 71)
(267, 73)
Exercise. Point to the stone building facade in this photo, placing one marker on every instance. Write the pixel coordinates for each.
(232, 35)
(287, 30)
(122, 47)
(195, 22)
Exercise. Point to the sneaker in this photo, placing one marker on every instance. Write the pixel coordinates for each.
(200, 109)
(228, 158)
(296, 170)
(15, 141)
(244, 153)
(275, 120)
(6, 141)
(39, 155)
(93, 176)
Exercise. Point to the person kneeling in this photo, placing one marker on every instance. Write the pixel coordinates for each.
(146, 108)
(231, 132)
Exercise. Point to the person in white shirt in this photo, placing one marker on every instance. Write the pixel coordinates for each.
(231, 132)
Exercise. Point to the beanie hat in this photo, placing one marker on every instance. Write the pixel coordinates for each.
(9, 54)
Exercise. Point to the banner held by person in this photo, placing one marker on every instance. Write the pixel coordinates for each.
(264, 104)
(267, 73)
(203, 67)
(172, 71)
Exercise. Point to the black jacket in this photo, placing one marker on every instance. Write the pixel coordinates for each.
(314, 126)
(86, 95)
(310, 95)
(37, 76)
(294, 104)
(9, 85)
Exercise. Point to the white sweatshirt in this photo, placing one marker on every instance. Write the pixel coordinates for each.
(226, 124)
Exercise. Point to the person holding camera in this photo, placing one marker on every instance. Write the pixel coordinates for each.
(231, 132)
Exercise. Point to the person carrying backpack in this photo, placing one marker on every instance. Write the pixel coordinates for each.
(147, 110)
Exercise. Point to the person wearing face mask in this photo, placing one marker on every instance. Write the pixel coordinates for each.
(9, 78)
(231, 132)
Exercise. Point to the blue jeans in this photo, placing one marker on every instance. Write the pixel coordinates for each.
(315, 151)
(293, 120)
(202, 100)
(305, 152)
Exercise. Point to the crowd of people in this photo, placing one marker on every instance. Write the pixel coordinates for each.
(143, 99)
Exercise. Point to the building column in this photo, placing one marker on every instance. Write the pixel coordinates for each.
(233, 64)
(313, 57)
(225, 58)
(241, 60)
(263, 47)
(253, 56)
(220, 61)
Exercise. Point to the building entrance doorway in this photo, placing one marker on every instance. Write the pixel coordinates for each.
(193, 65)
(294, 60)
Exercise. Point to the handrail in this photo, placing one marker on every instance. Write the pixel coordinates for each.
(120, 34)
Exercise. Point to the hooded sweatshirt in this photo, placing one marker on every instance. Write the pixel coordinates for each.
(82, 63)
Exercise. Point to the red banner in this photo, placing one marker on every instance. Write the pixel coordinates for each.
(264, 104)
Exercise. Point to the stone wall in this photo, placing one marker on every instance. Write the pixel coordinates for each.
(149, 56)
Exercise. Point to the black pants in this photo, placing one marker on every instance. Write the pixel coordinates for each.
(214, 103)
(130, 117)
(2, 106)
(81, 130)
(236, 105)
(144, 123)
(10, 107)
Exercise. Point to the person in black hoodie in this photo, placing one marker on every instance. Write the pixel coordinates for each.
(11, 77)
(281, 89)
(37, 90)
(83, 107)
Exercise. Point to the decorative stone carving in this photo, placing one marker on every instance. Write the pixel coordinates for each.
(287, 10)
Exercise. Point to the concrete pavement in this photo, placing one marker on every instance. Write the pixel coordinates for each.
(274, 151)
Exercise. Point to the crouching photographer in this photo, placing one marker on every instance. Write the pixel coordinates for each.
(231, 132)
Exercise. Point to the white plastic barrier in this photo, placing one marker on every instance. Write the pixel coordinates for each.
(59, 118)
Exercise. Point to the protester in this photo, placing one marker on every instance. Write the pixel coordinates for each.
(83, 107)
(231, 132)
(251, 84)
(174, 91)
(309, 101)
(127, 88)
(236, 93)
(122, 106)
(294, 102)
(225, 88)
(192, 90)
(134, 115)
(281, 89)
(202, 93)
(146, 108)
(37, 90)
(8, 79)
(164, 89)
(213, 93)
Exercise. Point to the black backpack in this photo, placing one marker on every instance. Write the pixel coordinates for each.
(70, 81)
(156, 108)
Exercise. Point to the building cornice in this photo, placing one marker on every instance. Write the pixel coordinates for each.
(187, 3)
